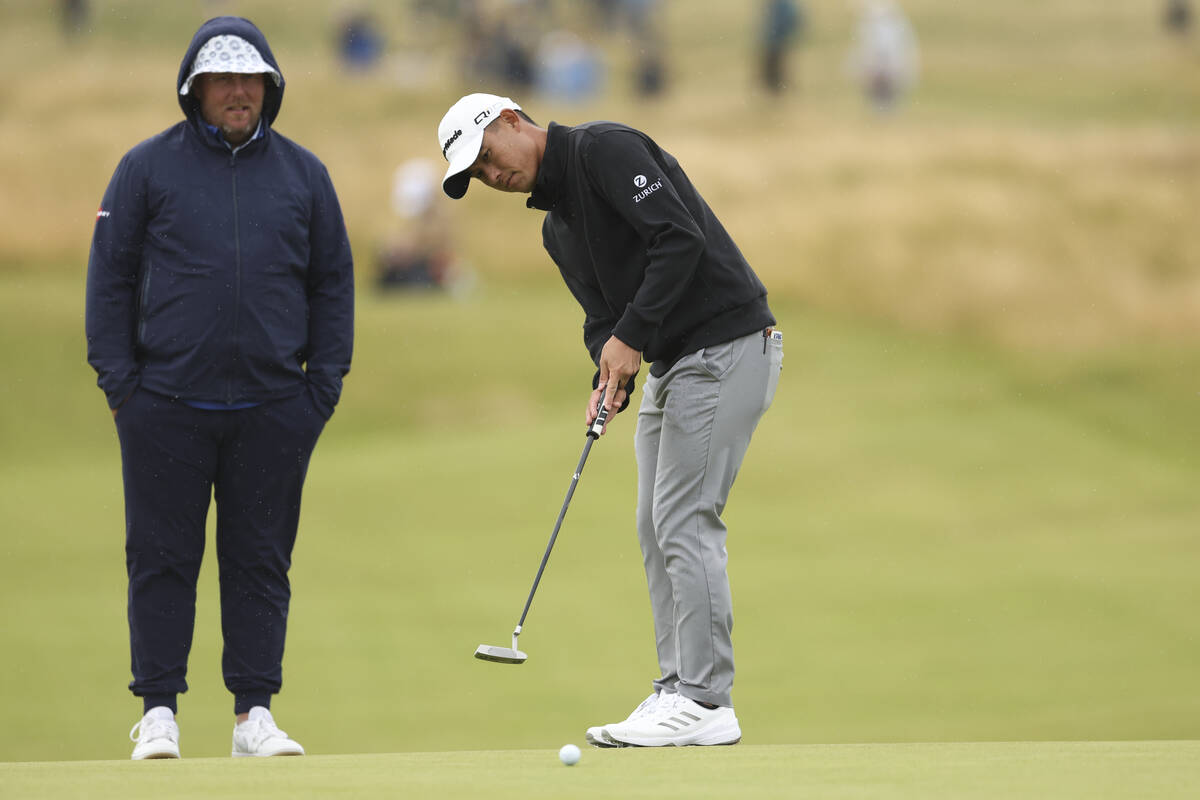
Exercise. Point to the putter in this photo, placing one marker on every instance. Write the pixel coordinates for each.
(511, 655)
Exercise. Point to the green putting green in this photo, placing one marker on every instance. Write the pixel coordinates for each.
(965, 771)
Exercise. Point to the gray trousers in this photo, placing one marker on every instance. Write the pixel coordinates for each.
(693, 429)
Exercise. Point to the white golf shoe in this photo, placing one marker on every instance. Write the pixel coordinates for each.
(260, 736)
(597, 736)
(156, 735)
(679, 722)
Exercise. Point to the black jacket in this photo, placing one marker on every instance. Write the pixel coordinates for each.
(221, 277)
(639, 248)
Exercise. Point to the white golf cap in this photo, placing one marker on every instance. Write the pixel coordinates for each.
(460, 135)
(228, 53)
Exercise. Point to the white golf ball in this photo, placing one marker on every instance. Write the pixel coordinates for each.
(569, 754)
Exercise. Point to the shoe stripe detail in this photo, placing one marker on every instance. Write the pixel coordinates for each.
(679, 721)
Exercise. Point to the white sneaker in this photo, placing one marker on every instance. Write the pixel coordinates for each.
(597, 736)
(679, 721)
(157, 735)
(260, 736)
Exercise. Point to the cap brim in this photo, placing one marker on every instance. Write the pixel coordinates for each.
(266, 70)
(455, 186)
(457, 179)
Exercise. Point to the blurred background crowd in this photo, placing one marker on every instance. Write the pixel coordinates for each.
(554, 50)
(573, 54)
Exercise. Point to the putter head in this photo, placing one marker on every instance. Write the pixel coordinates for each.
(500, 655)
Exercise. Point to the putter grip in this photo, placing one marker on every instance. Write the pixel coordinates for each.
(597, 426)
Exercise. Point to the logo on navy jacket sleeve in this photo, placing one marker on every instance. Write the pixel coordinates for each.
(640, 182)
(101, 213)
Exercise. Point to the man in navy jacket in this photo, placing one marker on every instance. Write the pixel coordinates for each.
(660, 279)
(220, 305)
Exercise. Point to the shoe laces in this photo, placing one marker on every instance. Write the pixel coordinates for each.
(668, 703)
(257, 731)
(149, 729)
(647, 706)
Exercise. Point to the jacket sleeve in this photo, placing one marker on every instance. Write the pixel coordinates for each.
(330, 298)
(674, 241)
(114, 262)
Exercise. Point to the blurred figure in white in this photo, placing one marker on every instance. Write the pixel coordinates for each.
(884, 58)
(419, 253)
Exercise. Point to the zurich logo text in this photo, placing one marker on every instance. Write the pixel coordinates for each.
(649, 190)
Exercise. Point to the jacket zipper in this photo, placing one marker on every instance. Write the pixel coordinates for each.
(237, 278)
(141, 302)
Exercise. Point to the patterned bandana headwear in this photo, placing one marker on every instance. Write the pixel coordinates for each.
(228, 53)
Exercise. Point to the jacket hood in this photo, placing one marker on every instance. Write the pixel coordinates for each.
(233, 26)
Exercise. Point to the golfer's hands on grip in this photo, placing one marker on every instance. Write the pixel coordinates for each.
(618, 363)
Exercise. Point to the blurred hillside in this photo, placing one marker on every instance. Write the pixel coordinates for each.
(1036, 188)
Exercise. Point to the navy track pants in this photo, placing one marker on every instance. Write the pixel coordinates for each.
(175, 460)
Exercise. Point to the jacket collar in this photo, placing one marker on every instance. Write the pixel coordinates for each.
(552, 171)
(215, 134)
(211, 135)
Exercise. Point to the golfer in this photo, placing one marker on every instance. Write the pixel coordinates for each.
(659, 279)
(220, 303)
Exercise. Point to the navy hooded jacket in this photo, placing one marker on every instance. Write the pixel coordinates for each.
(221, 277)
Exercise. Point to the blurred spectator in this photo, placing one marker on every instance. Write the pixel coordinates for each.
(360, 42)
(605, 13)
(650, 75)
(516, 62)
(637, 24)
(498, 42)
(444, 9)
(419, 253)
(884, 57)
(783, 24)
(74, 17)
(639, 14)
(650, 69)
(567, 68)
(1177, 17)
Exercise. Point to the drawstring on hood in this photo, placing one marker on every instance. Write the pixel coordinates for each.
(245, 30)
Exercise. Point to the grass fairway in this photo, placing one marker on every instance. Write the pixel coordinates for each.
(985, 771)
(930, 541)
